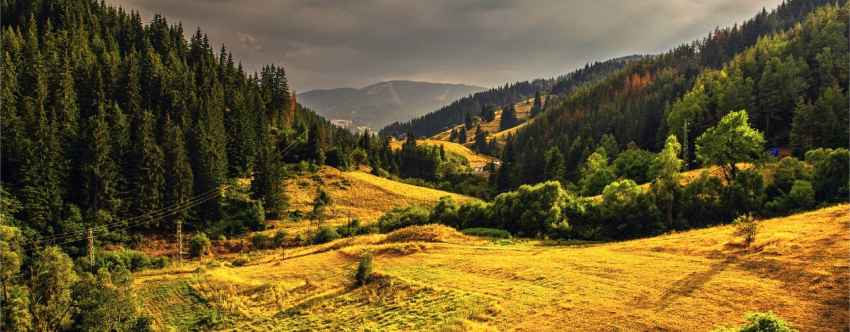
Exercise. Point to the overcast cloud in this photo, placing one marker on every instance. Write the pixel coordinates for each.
(328, 44)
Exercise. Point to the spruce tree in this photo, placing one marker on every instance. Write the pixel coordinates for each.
(267, 184)
(178, 175)
(509, 118)
(554, 164)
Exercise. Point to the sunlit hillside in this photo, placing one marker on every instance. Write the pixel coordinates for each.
(523, 111)
(432, 278)
(476, 160)
(356, 194)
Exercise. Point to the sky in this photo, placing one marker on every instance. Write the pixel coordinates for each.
(332, 44)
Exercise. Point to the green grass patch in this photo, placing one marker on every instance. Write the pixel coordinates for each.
(487, 232)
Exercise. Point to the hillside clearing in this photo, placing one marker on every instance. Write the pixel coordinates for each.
(355, 194)
(476, 160)
(692, 281)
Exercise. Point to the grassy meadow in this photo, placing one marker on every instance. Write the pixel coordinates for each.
(434, 278)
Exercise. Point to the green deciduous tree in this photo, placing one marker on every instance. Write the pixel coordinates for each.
(53, 277)
(730, 142)
(668, 165)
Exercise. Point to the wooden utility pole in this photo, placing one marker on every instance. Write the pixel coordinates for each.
(179, 242)
(91, 246)
(685, 146)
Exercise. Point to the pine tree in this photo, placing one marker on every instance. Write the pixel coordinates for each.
(146, 175)
(537, 108)
(554, 165)
(267, 184)
(509, 118)
(99, 170)
(178, 177)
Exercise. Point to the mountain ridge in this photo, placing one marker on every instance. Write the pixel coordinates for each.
(381, 103)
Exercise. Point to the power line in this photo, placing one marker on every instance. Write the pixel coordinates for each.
(129, 221)
(147, 218)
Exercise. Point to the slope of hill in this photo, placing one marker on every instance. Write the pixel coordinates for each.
(356, 194)
(454, 113)
(476, 161)
(380, 104)
(523, 113)
(432, 277)
(738, 68)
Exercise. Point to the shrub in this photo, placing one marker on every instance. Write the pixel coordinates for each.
(487, 232)
(261, 241)
(746, 194)
(831, 179)
(130, 260)
(325, 234)
(279, 238)
(240, 214)
(352, 228)
(474, 214)
(241, 261)
(339, 159)
(635, 164)
(788, 170)
(358, 156)
(747, 228)
(445, 212)
(364, 270)
(762, 322)
(626, 211)
(532, 210)
(403, 217)
(199, 245)
(800, 197)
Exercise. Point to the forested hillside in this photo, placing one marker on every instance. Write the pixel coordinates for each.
(779, 70)
(105, 118)
(380, 104)
(457, 111)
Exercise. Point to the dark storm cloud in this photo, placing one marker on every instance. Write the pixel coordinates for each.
(327, 43)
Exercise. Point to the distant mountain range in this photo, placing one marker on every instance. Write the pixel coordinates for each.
(383, 103)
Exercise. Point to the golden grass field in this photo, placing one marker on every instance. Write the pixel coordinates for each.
(355, 194)
(433, 278)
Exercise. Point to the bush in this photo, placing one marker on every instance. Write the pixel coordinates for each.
(364, 270)
(359, 156)
(403, 217)
(199, 245)
(788, 170)
(445, 212)
(129, 260)
(352, 228)
(831, 179)
(240, 214)
(532, 210)
(635, 164)
(325, 234)
(627, 211)
(261, 241)
(241, 261)
(762, 322)
(339, 159)
(487, 232)
(279, 238)
(746, 194)
(474, 214)
(747, 228)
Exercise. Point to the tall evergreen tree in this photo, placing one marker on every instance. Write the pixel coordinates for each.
(509, 118)
(178, 177)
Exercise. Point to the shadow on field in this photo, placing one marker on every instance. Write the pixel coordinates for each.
(687, 285)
